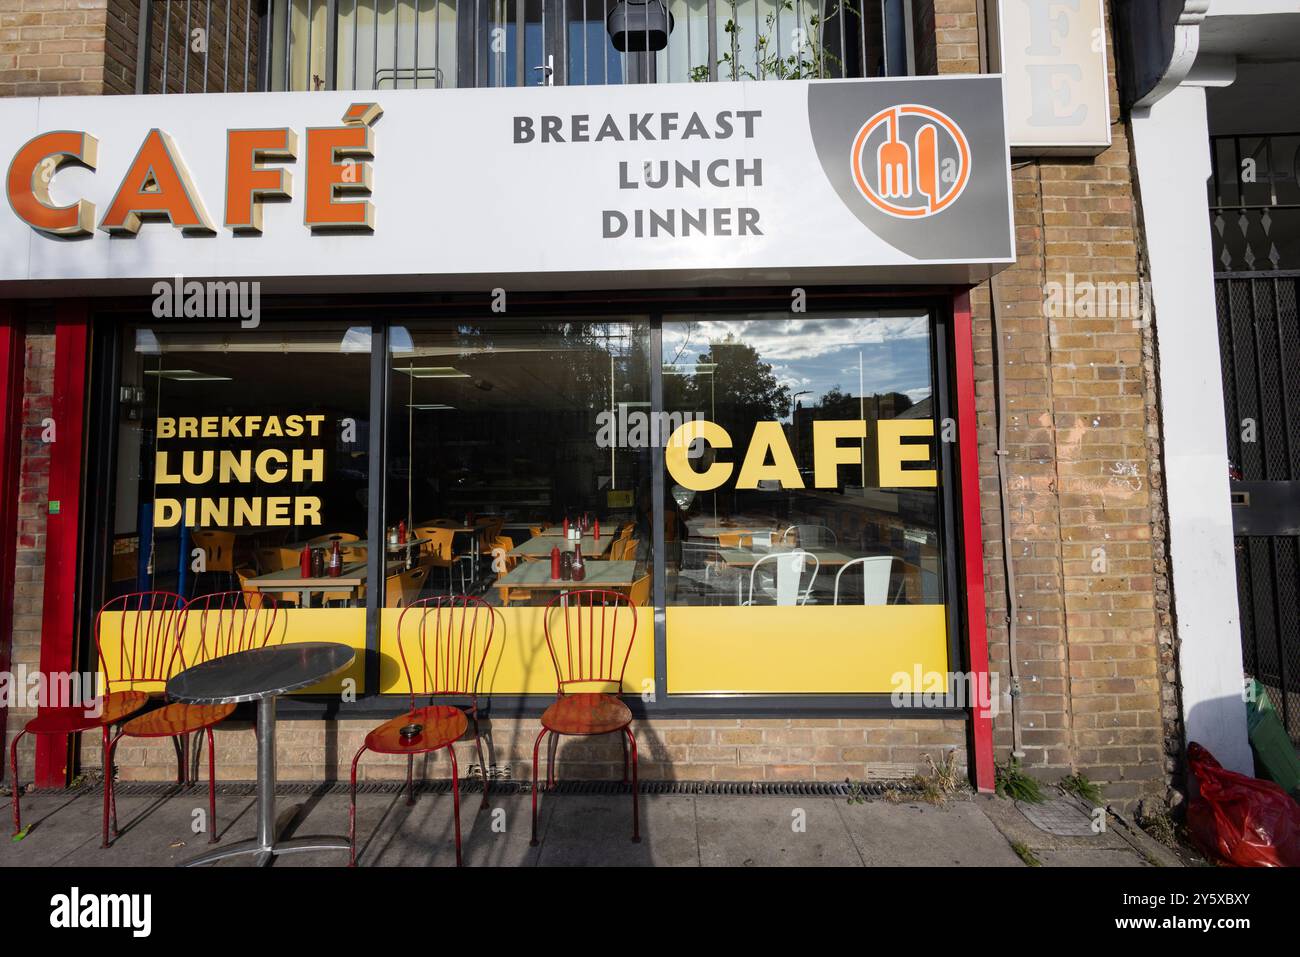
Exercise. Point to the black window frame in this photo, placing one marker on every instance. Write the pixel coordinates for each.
(113, 316)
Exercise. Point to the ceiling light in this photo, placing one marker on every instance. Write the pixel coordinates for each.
(432, 372)
(187, 375)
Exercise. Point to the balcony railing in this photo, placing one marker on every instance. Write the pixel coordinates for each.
(190, 46)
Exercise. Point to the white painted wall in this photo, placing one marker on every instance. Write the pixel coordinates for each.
(1171, 147)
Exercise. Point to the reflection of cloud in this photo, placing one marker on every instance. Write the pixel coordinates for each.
(797, 338)
(862, 355)
(916, 395)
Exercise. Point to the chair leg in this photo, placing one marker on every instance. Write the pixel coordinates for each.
(410, 780)
(623, 741)
(110, 797)
(212, 789)
(455, 797)
(636, 816)
(352, 810)
(551, 747)
(478, 744)
(14, 783)
(180, 759)
(536, 745)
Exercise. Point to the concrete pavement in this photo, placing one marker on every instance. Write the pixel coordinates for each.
(575, 829)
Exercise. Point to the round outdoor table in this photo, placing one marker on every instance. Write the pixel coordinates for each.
(261, 675)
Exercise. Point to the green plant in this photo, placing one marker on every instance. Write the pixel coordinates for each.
(1025, 854)
(1080, 786)
(944, 778)
(807, 58)
(1010, 781)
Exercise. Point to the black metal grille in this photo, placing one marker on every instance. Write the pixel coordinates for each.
(204, 46)
(1259, 339)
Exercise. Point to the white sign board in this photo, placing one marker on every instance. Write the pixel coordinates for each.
(1053, 59)
(892, 180)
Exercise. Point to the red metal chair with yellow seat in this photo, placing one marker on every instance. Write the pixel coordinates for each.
(443, 643)
(147, 623)
(585, 645)
(225, 623)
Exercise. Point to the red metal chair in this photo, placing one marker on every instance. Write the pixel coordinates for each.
(586, 656)
(136, 661)
(227, 622)
(448, 638)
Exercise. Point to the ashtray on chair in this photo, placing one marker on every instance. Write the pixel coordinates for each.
(409, 732)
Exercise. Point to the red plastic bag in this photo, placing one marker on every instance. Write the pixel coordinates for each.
(1242, 821)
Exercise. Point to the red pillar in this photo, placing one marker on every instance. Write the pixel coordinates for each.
(972, 537)
(12, 347)
(59, 611)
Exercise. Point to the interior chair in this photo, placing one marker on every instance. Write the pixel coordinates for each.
(511, 595)
(437, 551)
(809, 536)
(877, 571)
(403, 589)
(219, 553)
(590, 633)
(639, 593)
(140, 629)
(790, 586)
(219, 624)
(276, 558)
(443, 643)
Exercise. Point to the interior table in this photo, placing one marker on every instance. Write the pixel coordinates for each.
(537, 575)
(262, 675)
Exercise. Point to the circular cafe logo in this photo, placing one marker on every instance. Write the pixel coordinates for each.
(911, 161)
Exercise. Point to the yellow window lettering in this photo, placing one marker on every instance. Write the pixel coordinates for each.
(892, 453)
(677, 459)
(769, 437)
(829, 455)
(264, 471)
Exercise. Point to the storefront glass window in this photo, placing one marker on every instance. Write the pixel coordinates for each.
(803, 489)
(236, 450)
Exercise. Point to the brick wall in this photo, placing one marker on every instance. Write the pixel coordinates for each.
(1094, 644)
(717, 749)
(956, 35)
(51, 47)
(34, 466)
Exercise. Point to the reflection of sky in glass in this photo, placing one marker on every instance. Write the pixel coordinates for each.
(813, 355)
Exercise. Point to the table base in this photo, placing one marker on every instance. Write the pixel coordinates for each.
(266, 854)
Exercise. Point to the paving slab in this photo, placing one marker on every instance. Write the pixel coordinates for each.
(586, 830)
(773, 832)
(956, 834)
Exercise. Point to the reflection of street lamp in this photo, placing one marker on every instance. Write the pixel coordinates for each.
(794, 399)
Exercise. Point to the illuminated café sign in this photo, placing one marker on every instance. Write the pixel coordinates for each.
(1054, 62)
(768, 460)
(891, 179)
(180, 472)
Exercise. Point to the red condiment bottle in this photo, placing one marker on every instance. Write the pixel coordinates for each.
(566, 528)
(555, 563)
(304, 562)
(579, 566)
(595, 530)
(336, 561)
(401, 532)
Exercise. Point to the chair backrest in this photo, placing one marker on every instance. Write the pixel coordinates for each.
(640, 591)
(445, 641)
(734, 540)
(274, 558)
(590, 633)
(227, 622)
(809, 536)
(439, 541)
(790, 568)
(876, 573)
(218, 548)
(404, 588)
(138, 637)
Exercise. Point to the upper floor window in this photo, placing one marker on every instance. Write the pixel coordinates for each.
(236, 45)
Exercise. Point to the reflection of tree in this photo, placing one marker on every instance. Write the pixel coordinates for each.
(730, 384)
(837, 404)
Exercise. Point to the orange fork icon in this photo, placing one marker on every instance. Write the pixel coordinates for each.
(894, 160)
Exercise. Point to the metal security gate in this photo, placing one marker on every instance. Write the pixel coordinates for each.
(1259, 337)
